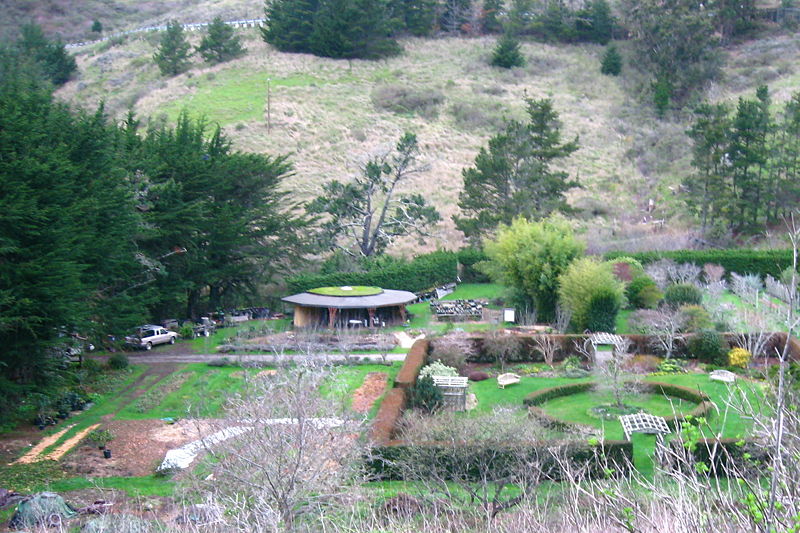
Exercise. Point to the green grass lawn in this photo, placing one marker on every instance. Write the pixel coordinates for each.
(348, 378)
(622, 321)
(221, 335)
(476, 291)
(490, 395)
(133, 486)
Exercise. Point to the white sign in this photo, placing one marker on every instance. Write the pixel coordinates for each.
(508, 315)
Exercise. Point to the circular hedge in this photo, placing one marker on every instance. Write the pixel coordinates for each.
(536, 398)
(355, 290)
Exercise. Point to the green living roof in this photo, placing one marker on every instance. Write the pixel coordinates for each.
(355, 290)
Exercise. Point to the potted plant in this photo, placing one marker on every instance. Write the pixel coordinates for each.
(100, 437)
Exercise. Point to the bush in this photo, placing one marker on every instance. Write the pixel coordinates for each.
(186, 331)
(420, 274)
(503, 348)
(468, 258)
(642, 293)
(681, 294)
(611, 64)
(507, 53)
(452, 350)
(220, 362)
(583, 280)
(91, 366)
(626, 268)
(437, 369)
(603, 310)
(697, 318)
(544, 395)
(404, 99)
(739, 357)
(741, 261)
(670, 366)
(118, 361)
(707, 346)
(425, 395)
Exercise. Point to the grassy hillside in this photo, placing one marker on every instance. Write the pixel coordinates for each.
(330, 114)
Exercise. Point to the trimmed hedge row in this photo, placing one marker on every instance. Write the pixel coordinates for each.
(388, 415)
(723, 457)
(422, 273)
(403, 461)
(544, 395)
(704, 404)
(415, 360)
(761, 262)
(530, 353)
(468, 258)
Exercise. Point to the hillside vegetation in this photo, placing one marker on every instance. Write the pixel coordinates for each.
(330, 114)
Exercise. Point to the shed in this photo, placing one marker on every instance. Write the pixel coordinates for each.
(355, 306)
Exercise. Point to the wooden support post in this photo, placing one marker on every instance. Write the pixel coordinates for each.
(332, 311)
(403, 313)
(371, 312)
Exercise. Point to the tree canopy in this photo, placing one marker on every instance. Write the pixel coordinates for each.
(220, 43)
(172, 56)
(513, 177)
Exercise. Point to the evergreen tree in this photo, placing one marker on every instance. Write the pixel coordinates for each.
(454, 15)
(174, 51)
(289, 24)
(490, 23)
(50, 57)
(348, 29)
(602, 21)
(413, 16)
(662, 94)
(220, 44)
(507, 53)
(611, 64)
(97, 26)
(707, 190)
(513, 176)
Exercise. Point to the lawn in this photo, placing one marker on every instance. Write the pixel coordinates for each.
(222, 335)
(349, 378)
(477, 291)
(423, 319)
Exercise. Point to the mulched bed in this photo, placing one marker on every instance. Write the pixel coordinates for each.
(373, 388)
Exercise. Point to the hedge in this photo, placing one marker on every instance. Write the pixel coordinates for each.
(723, 457)
(415, 360)
(544, 395)
(468, 258)
(428, 459)
(388, 415)
(704, 404)
(741, 261)
(420, 274)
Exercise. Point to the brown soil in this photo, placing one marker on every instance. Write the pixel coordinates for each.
(373, 387)
(138, 448)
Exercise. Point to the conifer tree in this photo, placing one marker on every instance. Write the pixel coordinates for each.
(611, 64)
(52, 58)
(289, 24)
(220, 44)
(490, 23)
(174, 51)
(507, 53)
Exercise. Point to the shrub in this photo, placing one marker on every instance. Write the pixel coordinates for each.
(697, 318)
(741, 261)
(425, 395)
(603, 310)
(118, 361)
(707, 346)
(452, 350)
(670, 366)
(611, 64)
(681, 294)
(503, 348)
(468, 258)
(100, 437)
(404, 99)
(584, 279)
(220, 362)
(627, 268)
(437, 369)
(186, 331)
(544, 395)
(477, 375)
(507, 53)
(642, 293)
(91, 366)
(739, 357)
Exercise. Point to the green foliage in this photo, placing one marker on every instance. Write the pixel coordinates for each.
(414, 16)
(545, 395)
(643, 293)
(365, 215)
(425, 395)
(741, 260)
(681, 294)
(490, 22)
(50, 57)
(421, 273)
(670, 366)
(97, 26)
(707, 346)
(172, 56)
(470, 259)
(611, 64)
(100, 437)
(220, 43)
(513, 177)
(530, 256)
(118, 361)
(585, 281)
(675, 44)
(341, 29)
(437, 368)
(604, 306)
(507, 53)
(697, 318)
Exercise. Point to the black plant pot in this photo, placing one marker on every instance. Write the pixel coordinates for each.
(107, 453)
(41, 427)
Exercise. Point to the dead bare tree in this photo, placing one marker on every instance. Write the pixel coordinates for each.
(563, 318)
(297, 450)
(664, 324)
(713, 273)
(547, 346)
(502, 346)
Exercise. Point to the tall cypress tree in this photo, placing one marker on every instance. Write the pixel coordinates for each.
(172, 56)
(51, 57)
(348, 29)
(220, 43)
(289, 24)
